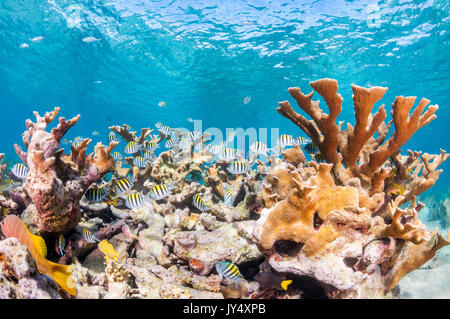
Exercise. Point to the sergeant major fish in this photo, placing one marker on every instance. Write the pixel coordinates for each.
(229, 271)
(20, 171)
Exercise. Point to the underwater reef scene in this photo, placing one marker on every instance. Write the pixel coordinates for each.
(164, 212)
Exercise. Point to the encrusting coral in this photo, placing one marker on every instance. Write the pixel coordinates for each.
(334, 227)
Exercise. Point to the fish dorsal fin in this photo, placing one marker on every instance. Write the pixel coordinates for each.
(40, 243)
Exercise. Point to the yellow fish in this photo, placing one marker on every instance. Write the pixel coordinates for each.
(5, 211)
(12, 226)
(285, 284)
(108, 249)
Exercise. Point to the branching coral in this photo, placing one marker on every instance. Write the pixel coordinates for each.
(56, 182)
(339, 209)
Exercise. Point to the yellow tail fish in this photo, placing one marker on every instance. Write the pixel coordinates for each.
(12, 226)
(285, 284)
(108, 249)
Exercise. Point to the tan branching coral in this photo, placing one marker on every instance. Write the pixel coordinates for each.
(351, 207)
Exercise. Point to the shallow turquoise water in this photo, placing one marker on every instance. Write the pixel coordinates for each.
(204, 57)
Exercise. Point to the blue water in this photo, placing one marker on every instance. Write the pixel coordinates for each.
(203, 57)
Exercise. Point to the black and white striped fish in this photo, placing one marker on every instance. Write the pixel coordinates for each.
(20, 171)
(77, 141)
(286, 140)
(216, 149)
(148, 155)
(123, 186)
(247, 99)
(166, 130)
(159, 125)
(300, 140)
(160, 191)
(227, 195)
(150, 146)
(134, 200)
(132, 148)
(199, 203)
(117, 156)
(238, 167)
(259, 148)
(227, 154)
(311, 148)
(319, 158)
(88, 237)
(194, 136)
(112, 137)
(139, 161)
(96, 194)
(170, 142)
(229, 271)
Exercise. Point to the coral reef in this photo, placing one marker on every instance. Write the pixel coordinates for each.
(347, 227)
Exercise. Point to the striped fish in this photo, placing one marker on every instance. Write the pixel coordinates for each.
(160, 191)
(247, 99)
(170, 143)
(258, 148)
(159, 125)
(227, 197)
(319, 158)
(229, 271)
(134, 200)
(238, 167)
(112, 137)
(166, 130)
(96, 194)
(61, 245)
(108, 250)
(150, 146)
(77, 141)
(302, 140)
(139, 161)
(286, 140)
(117, 156)
(199, 203)
(20, 171)
(194, 136)
(216, 149)
(89, 238)
(148, 155)
(123, 186)
(311, 148)
(227, 154)
(132, 148)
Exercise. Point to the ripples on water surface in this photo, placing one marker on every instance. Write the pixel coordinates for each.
(204, 57)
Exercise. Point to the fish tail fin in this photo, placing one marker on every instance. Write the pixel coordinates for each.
(62, 274)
